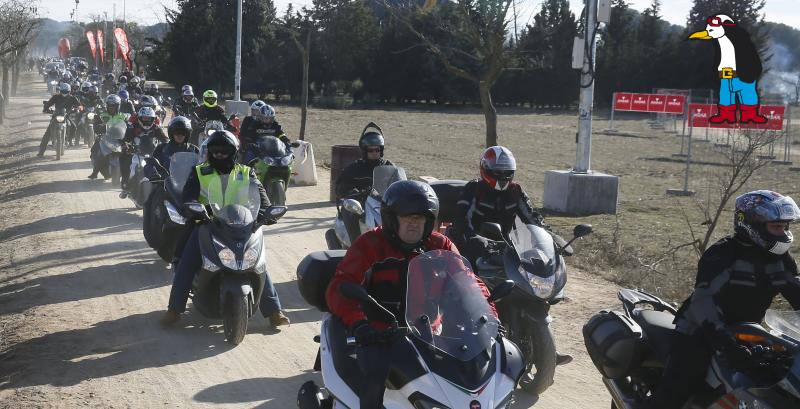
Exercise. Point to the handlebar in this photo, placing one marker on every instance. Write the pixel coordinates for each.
(387, 335)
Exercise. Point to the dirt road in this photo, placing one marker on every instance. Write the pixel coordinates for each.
(81, 293)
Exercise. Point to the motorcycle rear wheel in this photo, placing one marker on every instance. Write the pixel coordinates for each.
(234, 318)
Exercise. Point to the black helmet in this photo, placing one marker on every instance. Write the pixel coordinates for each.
(226, 142)
(371, 138)
(407, 197)
(179, 123)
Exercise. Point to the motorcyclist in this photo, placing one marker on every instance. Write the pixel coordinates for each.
(109, 84)
(210, 110)
(145, 127)
(61, 100)
(356, 178)
(122, 82)
(90, 97)
(135, 86)
(101, 122)
(178, 132)
(187, 104)
(493, 198)
(126, 106)
(262, 123)
(378, 260)
(222, 146)
(737, 279)
(153, 91)
(146, 101)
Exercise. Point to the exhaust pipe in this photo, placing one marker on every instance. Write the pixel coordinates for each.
(620, 398)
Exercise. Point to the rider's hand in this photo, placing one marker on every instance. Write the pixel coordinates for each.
(364, 332)
(738, 355)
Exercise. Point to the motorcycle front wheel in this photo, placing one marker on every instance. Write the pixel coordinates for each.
(234, 318)
(276, 191)
(541, 343)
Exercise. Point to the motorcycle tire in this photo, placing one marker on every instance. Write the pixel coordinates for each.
(115, 176)
(234, 318)
(149, 224)
(63, 141)
(59, 145)
(542, 343)
(332, 241)
(276, 191)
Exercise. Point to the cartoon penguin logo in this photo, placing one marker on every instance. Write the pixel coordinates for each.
(739, 68)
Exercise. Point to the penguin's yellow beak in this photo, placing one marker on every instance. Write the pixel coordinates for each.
(700, 35)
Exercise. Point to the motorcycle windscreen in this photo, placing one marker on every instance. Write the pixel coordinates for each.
(785, 322)
(533, 244)
(270, 147)
(180, 166)
(445, 307)
(236, 205)
(112, 139)
(212, 126)
(384, 176)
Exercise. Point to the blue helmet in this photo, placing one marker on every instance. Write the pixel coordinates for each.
(755, 209)
(123, 94)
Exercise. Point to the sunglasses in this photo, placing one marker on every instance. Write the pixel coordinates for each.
(374, 150)
(716, 22)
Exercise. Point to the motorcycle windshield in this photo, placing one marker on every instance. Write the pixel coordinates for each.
(384, 176)
(212, 126)
(237, 205)
(180, 166)
(533, 245)
(786, 322)
(115, 131)
(270, 146)
(445, 307)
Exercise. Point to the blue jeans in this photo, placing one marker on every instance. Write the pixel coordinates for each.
(729, 89)
(191, 261)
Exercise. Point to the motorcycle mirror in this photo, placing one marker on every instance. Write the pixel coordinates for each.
(354, 291)
(276, 212)
(295, 144)
(492, 231)
(502, 291)
(353, 206)
(582, 230)
(196, 207)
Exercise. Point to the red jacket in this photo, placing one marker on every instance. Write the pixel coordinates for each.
(373, 255)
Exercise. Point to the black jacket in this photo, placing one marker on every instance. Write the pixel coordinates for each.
(216, 113)
(481, 203)
(736, 282)
(184, 108)
(252, 129)
(191, 192)
(357, 177)
(126, 107)
(62, 101)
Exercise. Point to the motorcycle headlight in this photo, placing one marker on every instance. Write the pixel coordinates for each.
(209, 265)
(90, 116)
(173, 213)
(228, 258)
(542, 287)
(60, 118)
(270, 161)
(286, 161)
(250, 258)
(424, 402)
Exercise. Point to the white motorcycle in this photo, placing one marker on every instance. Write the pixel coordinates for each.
(353, 219)
(449, 354)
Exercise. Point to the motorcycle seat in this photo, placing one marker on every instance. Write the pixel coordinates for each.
(658, 329)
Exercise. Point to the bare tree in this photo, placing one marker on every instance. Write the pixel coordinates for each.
(18, 25)
(474, 47)
(742, 161)
(290, 25)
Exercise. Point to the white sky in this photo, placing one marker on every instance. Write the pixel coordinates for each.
(150, 11)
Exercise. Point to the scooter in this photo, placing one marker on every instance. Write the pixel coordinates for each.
(273, 164)
(353, 219)
(164, 221)
(448, 353)
(534, 259)
(107, 157)
(630, 348)
(234, 269)
(139, 186)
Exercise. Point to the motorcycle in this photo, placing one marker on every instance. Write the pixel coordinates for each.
(164, 220)
(52, 87)
(139, 186)
(449, 354)
(273, 165)
(630, 349)
(107, 157)
(232, 276)
(534, 259)
(86, 125)
(353, 219)
(58, 131)
(208, 129)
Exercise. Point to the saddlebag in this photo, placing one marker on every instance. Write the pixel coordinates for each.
(314, 273)
(448, 192)
(614, 342)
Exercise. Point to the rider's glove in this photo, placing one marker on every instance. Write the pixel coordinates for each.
(364, 332)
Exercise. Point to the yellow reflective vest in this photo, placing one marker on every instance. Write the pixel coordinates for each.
(237, 190)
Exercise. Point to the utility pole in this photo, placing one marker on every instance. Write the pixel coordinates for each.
(238, 73)
(583, 155)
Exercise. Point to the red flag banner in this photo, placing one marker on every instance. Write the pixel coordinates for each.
(92, 44)
(122, 46)
(63, 47)
(101, 46)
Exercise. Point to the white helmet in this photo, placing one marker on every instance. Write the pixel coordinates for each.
(147, 117)
(255, 107)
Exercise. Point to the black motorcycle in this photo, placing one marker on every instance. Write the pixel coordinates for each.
(232, 277)
(139, 186)
(630, 349)
(164, 221)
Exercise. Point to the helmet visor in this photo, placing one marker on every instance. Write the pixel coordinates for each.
(210, 100)
(782, 209)
(504, 175)
(147, 121)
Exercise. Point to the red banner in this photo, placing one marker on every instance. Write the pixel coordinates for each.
(675, 104)
(622, 101)
(92, 45)
(656, 103)
(101, 46)
(701, 112)
(63, 47)
(122, 46)
(639, 102)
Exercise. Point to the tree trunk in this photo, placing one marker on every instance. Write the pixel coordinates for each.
(4, 89)
(489, 113)
(304, 95)
(18, 57)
